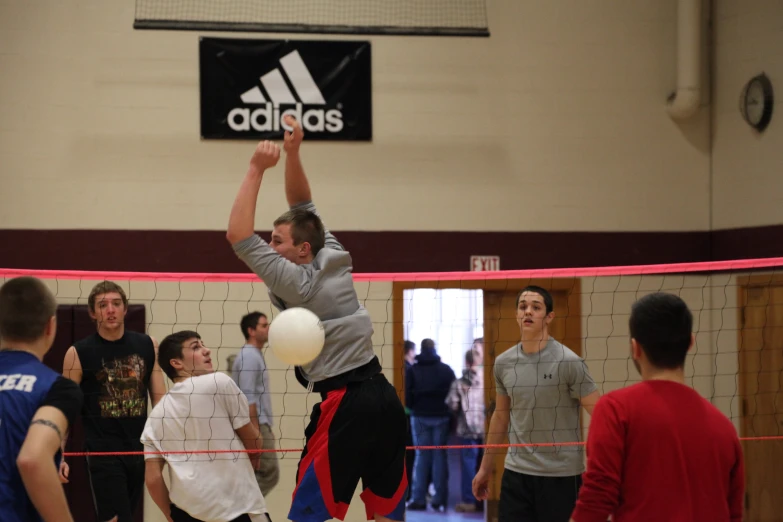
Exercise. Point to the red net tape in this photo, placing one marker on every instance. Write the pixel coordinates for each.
(674, 268)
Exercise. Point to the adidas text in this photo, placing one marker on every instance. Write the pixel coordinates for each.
(269, 118)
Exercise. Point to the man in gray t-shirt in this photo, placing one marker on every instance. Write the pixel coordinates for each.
(540, 386)
(250, 373)
(358, 430)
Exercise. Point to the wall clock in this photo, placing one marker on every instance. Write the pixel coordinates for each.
(756, 102)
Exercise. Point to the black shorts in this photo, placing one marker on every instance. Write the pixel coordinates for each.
(531, 498)
(356, 432)
(179, 515)
(117, 485)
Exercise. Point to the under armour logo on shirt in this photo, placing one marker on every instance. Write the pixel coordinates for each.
(547, 376)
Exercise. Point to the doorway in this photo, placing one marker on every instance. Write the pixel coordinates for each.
(452, 317)
(760, 347)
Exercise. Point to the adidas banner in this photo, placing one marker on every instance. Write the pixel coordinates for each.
(248, 86)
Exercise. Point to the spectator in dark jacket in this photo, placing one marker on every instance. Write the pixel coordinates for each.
(427, 383)
(409, 356)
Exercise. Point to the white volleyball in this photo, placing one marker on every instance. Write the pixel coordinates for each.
(296, 336)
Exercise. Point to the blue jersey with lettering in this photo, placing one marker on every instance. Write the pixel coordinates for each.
(26, 384)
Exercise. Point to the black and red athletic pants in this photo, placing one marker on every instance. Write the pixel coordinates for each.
(356, 432)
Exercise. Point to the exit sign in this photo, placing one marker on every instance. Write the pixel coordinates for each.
(484, 263)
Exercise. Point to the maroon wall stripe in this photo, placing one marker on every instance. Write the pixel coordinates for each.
(208, 251)
(747, 243)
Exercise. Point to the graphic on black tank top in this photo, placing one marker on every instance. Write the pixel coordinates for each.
(123, 391)
(115, 382)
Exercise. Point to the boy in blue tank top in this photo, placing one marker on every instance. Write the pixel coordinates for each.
(37, 406)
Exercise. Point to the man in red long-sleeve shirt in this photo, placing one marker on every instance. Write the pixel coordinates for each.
(657, 450)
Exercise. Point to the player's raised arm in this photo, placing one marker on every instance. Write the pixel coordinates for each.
(297, 188)
(241, 222)
(284, 277)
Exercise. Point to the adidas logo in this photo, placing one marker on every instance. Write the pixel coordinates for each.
(269, 117)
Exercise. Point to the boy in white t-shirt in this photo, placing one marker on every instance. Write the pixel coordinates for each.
(204, 410)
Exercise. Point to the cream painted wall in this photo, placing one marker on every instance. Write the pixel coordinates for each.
(214, 309)
(747, 184)
(556, 122)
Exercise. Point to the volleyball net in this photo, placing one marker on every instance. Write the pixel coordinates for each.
(736, 362)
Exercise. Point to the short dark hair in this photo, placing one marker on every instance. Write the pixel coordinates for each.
(105, 287)
(306, 226)
(250, 321)
(171, 348)
(548, 301)
(662, 324)
(26, 306)
(469, 357)
(409, 346)
(427, 344)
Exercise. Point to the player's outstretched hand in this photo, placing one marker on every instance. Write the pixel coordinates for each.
(266, 156)
(294, 137)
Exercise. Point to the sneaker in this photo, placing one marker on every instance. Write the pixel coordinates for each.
(414, 506)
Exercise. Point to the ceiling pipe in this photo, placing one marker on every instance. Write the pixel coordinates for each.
(684, 102)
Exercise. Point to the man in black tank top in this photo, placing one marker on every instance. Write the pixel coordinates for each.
(116, 370)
